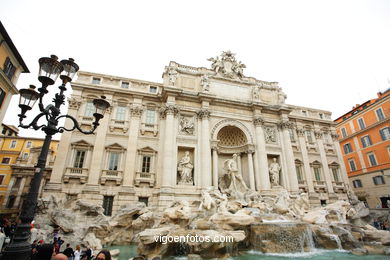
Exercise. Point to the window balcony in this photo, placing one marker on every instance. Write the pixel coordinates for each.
(145, 177)
(76, 173)
(320, 186)
(302, 186)
(122, 125)
(149, 128)
(111, 175)
(86, 120)
(339, 187)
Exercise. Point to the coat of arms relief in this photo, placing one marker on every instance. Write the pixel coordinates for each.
(227, 66)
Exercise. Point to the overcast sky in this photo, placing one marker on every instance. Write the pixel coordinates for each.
(328, 55)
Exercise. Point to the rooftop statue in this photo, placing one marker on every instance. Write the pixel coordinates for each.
(227, 66)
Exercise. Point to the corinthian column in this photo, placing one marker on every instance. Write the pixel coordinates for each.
(131, 155)
(215, 166)
(204, 114)
(324, 161)
(169, 112)
(261, 177)
(250, 170)
(343, 170)
(284, 125)
(305, 158)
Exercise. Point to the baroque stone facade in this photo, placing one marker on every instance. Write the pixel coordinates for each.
(163, 142)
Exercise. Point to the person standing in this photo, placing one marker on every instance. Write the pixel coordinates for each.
(77, 253)
(69, 252)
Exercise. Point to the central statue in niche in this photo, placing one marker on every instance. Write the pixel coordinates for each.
(185, 169)
(233, 180)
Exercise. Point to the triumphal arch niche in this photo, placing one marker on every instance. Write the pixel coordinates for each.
(192, 131)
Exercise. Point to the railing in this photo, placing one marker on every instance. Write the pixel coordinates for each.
(320, 186)
(149, 128)
(145, 177)
(111, 175)
(339, 186)
(76, 173)
(119, 124)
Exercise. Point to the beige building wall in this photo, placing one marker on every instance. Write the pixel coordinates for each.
(138, 151)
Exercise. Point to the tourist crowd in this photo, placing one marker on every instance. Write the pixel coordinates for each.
(382, 225)
(52, 250)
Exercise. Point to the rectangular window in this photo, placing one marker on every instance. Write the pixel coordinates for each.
(357, 183)
(304, 112)
(11, 201)
(152, 89)
(120, 113)
(13, 144)
(352, 165)
(366, 141)
(2, 96)
(347, 148)
(372, 159)
(113, 161)
(6, 160)
(9, 68)
(29, 144)
(308, 136)
(150, 117)
(1, 179)
(344, 132)
(378, 180)
(298, 169)
(317, 174)
(89, 109)
(95, 80)
(335, 172)
(79, 159)
(379, 114)
(25, 156)
(385, 133)
(321, 116)
(107, 205)
(361, 123)
(125, 85)
(291, 132)
(146, 163)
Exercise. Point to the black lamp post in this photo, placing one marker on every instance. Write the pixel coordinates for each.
(49, 70)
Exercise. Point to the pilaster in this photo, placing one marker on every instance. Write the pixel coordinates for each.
(261, 177)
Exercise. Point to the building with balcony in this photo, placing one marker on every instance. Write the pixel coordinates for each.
(161, 142)
(18, 156)
(364, 135)
(11, 64)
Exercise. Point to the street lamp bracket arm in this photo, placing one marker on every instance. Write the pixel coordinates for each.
(76, 126)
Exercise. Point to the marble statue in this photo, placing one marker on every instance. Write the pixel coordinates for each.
(301, 205)
(274, 170)
(185, 169)
(205, 83)
(207, 202)
(186, 126)
(227, 65)
(172, 76)
(237, 183)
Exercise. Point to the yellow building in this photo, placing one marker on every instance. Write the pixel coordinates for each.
(11, 64)
(18, 155)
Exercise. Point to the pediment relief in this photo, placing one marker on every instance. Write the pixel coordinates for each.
(115, 146)
(147, 149)
(81, 144)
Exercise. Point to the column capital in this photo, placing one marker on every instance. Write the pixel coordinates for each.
(169, 110)
(285, 124)
(258, 121)
(334, 136)
(300, 131)
(203, 113)
(74, 103)
(318, 134)
(136, 111)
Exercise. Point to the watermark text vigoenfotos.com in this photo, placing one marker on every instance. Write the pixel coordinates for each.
(164, 239)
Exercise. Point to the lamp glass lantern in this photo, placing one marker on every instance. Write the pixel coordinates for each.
(49, 70)
(101, 105)
(28, 97)
(70, 70)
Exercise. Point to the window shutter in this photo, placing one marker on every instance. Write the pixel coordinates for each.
(375, 181)
(382, 135)
(369, 140)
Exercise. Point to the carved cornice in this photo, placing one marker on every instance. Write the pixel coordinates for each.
(203, 113)
(318, 134)
(136, 111)
(258, 121)
(285, 124)
(169, 110)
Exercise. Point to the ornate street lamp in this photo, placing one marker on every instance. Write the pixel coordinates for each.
(49, 70)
